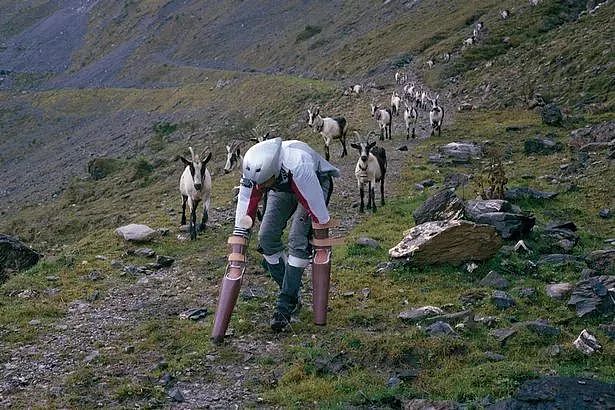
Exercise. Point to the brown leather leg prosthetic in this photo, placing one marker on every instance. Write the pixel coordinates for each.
(231, 283)
(321, 270)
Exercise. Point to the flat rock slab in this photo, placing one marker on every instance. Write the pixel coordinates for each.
(527, 193)
(368, 242)
(502, 335)
(502, 299)
(544, 146)
(136, 232)
(594, 295)
(461, 152)
(416, 315)
(443, 205)
(440, 329)
(556, 392)
(542, 327)
(15, 255)
(494, 280)
(447, 242)
(560, 259)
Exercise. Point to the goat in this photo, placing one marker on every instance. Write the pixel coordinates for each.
(423, 100)
(395, 101)
(233, 157)
(504, 14)
(436, 115)
(400, 77)
(417, 98)
(469, 41)
(371, 168)
(430, 64)
(384, 119)
(329, 128)
(411, 117)
(195, 186)
(408, 91)
(534, 2)
(446, 57)
(357, 88)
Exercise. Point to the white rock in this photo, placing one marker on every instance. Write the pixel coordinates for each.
(136, 232)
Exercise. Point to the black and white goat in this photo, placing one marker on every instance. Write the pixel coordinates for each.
(195, 187)
(233, 156)
(370, 169)
(400, 77)
(329, 128)
(505, 14)
(357, 88)
(411, 117)
(430, 64)
(395, 103)
(436, 115)
(384, 119)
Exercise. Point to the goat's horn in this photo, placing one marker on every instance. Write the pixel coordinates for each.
(191, 153)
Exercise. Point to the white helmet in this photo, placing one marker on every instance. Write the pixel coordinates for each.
(262, 161)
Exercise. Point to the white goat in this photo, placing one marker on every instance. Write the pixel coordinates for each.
(408, 91)
(446, 57)
(233, 156)
(436, 115)
(430, 64)
(384, 119)
(534, 2)
(411, 117)
(424, 100)
(469, 41)
(195, 186)
(371, 168)
(400, 77)
(329, 128)
(504, 14)
(395, 103)
(357, 88)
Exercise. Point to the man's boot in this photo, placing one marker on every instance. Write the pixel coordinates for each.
(276, 270)
(288, 299)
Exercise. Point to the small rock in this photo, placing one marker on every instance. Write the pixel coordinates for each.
(558, 290)
(90, 357)
(164, 261)
(165, 379)
(427, 182)
(194, 314)
(136, 232)
(525, 193)
(602, 260)
(608, 329)
(384, 267)
(542, 146)
(465, 106)
(176, 395)
(553, 350)
(393, 382)
(145, 252)
(502, 335)
(527, 293)
(494, 280)
(366, 292)
(542, 327)
(408, 374)
(415, 315)
(587, 343)
(594, 295)
(605, 213)
(95, 275)
(94, 296)
(34, 322)
(502, 299)
(470, 267)
(115, 264)
(368, 242)
(403, 148)
(560, 259)
(129, 349)
(348, 294)
(488, 321)
(552, 115)
(52, 278)
(419, 187)
(494, 357)
(441, 329)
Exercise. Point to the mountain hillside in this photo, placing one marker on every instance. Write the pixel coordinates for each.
(98, 99)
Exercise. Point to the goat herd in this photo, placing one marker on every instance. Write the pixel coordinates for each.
(195, 181)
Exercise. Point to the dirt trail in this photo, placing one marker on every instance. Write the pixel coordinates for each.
(91, 331)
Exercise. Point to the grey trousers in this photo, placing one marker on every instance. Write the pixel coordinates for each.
(287, 271)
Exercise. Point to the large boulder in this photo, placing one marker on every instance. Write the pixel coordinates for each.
(475, 208)
(594, 295)
(556, 392)
(15, 255)
(441, 206)
(507, 224)
(454, 241)
(461, 152)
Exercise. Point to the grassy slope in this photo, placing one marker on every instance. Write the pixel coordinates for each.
(367, 330)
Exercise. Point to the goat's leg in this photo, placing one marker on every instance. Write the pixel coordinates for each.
(390, 129)
(326, 152)
(184, 200)
(381, 133)
(439, 130)
(369, 195)
(343, 141)
(413, 134)
(362, 194)
(382, 191)
(372, 194)
(193, 223)
(205, 216)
